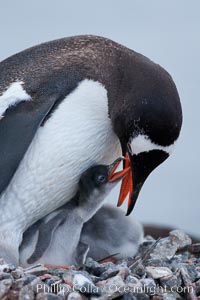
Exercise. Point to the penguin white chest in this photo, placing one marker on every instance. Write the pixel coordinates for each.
(77, 135)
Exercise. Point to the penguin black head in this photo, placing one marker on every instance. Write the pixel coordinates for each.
(147, 121)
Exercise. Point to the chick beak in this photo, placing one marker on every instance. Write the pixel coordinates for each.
(116, 176)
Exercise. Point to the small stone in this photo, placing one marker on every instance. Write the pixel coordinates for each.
(133, 282)
(45, 276)
(170, 282)
(30, 278)
(12, 295)
(185, 276)
(192, 272)
(95, 278)
(5, 286)
(75, 296)
(169, 296)
(148, 285)
(47, 296)
(17, 273)
(137, 295)
(55, 287)
(163, 250)
(93, 267)
(138, 269)
(26, 293)
(155, 262)
(148, 242)
(176, 262)
(112, 288)
(197, 287)
(129, 296)
(195, 248)
(19, 283)
(38, 286)
(65, 290)
(124, 272)
(85, 285)
(110, 272)
(54, 282)
(96, 268)
(179, 238)
(158, 272)
(4, 275)
(198, 272)
(68, 276)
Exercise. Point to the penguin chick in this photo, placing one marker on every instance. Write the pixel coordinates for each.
(54, 239)
(109, 231)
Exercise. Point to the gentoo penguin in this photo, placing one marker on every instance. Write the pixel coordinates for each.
(71, 103)
(55, 238)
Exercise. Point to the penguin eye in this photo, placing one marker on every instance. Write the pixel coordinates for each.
(101, 178)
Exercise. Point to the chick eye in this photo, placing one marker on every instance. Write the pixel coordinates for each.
(101, 178)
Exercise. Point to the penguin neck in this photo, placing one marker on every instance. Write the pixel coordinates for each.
(89, 203)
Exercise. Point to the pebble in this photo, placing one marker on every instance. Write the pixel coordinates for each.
(133, 282)
(76, 296)
(85, 285)
(48, 296)
(169, 296)
(149, 285)
(97, 269)
(4, 275)
(180, 239)
(164, 250)
(17, 273)
(65, 290)
(159, 271)
(170, 282)
(5, 285)
(167, 247)
(26, 293)
(112, 288)
(195, 248)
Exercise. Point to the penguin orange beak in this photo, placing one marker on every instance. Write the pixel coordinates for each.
(127, 184)
(118, 175)
(137, 169)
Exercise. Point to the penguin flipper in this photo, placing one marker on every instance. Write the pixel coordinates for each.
(20, 122)
(17, 129)
(46, 231)
(82, 251)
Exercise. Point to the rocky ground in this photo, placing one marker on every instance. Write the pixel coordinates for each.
(167, 268)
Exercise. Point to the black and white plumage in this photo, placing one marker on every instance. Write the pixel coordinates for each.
(56, 238)
(66, 105)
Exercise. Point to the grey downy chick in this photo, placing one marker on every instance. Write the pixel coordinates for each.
(55, 238)
(109, 231)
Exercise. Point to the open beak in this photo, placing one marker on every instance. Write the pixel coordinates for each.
(138, 168)
(116, 176)
(130, 185)
(127, 186)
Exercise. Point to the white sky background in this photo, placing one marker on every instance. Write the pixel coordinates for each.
(168, 32)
